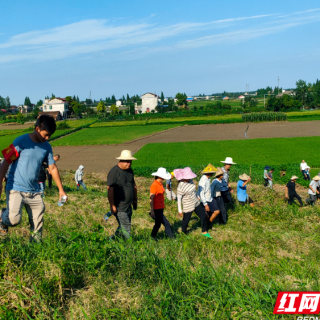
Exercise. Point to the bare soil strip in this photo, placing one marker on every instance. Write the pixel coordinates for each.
(101, 158)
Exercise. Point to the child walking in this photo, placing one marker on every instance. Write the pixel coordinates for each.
(78, 177)
(157, 202)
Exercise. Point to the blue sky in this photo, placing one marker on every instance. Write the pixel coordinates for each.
(119, 47)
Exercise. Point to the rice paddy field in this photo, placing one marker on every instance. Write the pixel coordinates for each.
(77, 272)
(274, 151)
(109, 135)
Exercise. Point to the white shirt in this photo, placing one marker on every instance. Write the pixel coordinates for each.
(314, 185)
(303, 165)
(204, 190)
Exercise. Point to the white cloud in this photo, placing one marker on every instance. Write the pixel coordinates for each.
(91, 36)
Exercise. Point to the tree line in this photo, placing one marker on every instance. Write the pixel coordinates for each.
(304, 96)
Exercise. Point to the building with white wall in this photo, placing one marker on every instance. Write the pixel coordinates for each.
(56, 104)
(149, 102)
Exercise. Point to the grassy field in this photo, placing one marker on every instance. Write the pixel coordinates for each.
(303, 116)
(182, 120)
(258, 151)
(108, 135)
(78, 273)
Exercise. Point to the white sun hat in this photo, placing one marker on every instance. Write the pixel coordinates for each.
(228, 160)
(162, 173)
(126, 155)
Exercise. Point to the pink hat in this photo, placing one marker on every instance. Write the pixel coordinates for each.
(185, 173)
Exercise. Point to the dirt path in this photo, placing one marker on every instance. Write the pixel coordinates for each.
(101, 158)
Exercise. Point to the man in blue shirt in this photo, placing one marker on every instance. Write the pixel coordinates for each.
(27, 153)
(242, 195)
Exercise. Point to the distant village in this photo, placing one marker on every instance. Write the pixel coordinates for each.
(59, 107)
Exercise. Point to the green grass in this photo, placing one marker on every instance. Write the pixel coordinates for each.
(108, 135)
(258, 151)
(180, 120)
(78, 273)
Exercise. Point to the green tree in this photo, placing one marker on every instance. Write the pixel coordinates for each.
(128, 98)
(27, 102)
(181, 99)
(35, 112)
(8, 103)
(76, 108)
(114, 109)
(52, 96)
(113, 99)
(301, 91)
(101, 107)
(39, 103)
(162, 97)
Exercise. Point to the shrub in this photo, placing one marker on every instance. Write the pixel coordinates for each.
(63, 125)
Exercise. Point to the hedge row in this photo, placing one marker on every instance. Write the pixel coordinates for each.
(71, 131)
(264, 116)
(282, 173)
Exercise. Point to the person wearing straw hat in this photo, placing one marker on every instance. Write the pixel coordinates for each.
(169, 192)
(216, 195)
(291, 193)
(122, 193)
(204, 192)
(242, 195)
(313, 190)
(157, 202)
(186, 193)
(226, 190)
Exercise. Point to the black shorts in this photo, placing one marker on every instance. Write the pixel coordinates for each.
(249, 200)
(213, 205)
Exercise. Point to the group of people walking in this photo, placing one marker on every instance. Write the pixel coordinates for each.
(28, 161)
(209, 202)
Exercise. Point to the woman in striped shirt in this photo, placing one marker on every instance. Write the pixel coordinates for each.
(186, 193)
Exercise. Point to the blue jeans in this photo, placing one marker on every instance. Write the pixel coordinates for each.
(81, 183)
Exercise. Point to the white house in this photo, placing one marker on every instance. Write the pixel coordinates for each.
(149, 102)
(56, 104)
(118, 103)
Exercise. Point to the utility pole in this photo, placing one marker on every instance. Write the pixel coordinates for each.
(278, 84)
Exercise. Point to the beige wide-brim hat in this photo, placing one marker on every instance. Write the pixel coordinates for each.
(228, 160)
(244, 177)
(316, 178)
(126, 155)
(219, 172)
(294, 178)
